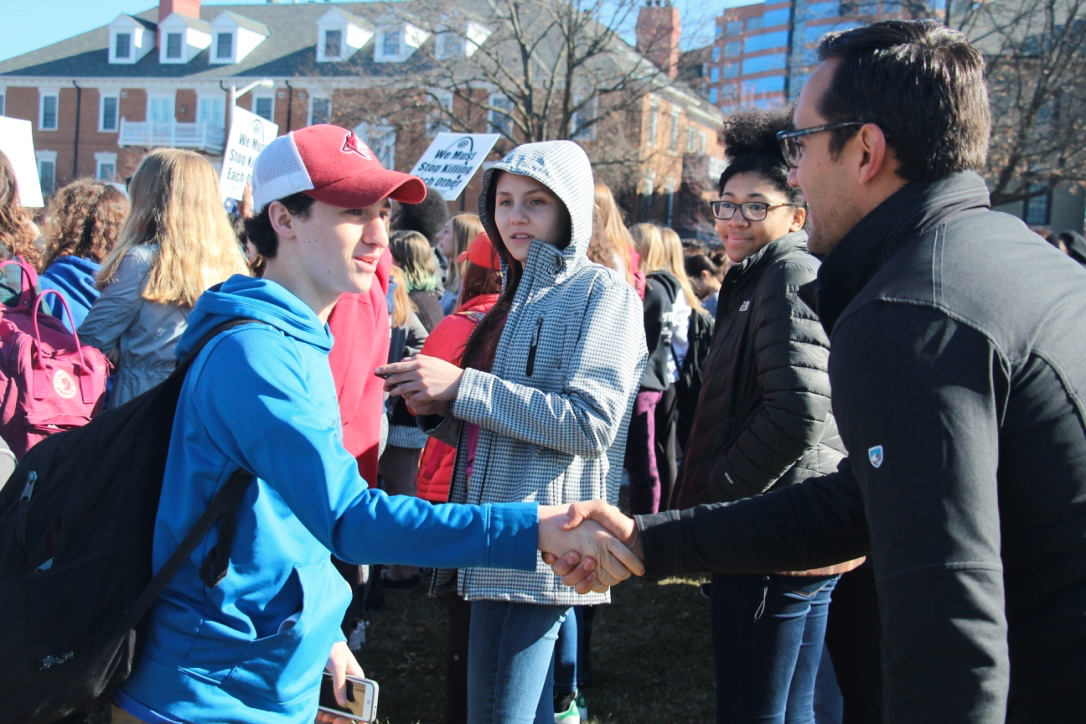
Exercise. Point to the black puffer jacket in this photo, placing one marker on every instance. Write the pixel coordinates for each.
(763, 419)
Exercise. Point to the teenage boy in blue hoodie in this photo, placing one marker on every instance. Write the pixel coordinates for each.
(260, 397)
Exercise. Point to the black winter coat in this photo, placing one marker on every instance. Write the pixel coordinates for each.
(763, 418)
(959, 383)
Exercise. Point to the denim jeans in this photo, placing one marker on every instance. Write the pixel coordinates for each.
(767, 643)
(510, 662)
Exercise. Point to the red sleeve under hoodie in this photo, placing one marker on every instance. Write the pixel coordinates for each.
(359, 324)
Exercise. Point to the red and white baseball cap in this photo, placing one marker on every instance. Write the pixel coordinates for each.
(329, 164)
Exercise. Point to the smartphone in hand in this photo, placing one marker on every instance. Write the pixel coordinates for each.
(361, 698)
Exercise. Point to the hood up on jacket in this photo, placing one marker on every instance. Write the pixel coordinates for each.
(259, 299)
(561, 166)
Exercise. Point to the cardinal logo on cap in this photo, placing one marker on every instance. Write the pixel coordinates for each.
(351, 144)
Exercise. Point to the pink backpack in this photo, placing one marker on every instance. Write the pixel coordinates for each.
(49, 382)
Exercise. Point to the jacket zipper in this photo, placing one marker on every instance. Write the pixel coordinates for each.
(531, 350)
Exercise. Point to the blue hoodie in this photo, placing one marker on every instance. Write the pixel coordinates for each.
(261, 397)
(72, 276)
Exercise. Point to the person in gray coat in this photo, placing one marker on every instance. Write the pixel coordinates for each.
(540, 412)
(176, 242)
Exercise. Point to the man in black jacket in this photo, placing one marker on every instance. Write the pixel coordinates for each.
(958, 370)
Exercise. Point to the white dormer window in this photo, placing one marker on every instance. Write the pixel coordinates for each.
(129, 39)
(340, 35)
(173, 45)
(183, 38)
(224, 46)
(461, 41)
(122, 46)
(397, 40)
(333, 44)
(390, 43)
(235, 36)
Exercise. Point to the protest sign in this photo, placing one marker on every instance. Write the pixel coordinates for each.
(17, 143)
(452, 159)
(249, 133)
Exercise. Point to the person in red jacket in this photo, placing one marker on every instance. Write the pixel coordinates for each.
(481, 284)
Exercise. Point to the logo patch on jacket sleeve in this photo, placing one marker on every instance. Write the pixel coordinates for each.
(744, 306)
(874, 454)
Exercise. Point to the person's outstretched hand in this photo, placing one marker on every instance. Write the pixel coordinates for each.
(581, 571)
(426, 383)
(341, 663)
(583, 551)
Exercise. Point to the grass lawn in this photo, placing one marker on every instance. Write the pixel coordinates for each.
(651, 656)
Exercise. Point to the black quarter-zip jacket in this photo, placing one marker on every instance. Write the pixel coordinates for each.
(958, 369)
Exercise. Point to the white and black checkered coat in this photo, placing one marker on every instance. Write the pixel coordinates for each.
(553, 413)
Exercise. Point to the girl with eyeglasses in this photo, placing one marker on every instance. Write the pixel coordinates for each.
(763, 421)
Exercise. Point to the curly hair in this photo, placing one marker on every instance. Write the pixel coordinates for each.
(17, 233)
(85, 218)
(750, 146)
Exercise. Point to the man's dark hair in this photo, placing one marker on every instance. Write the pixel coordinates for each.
(750, 146)
(921, 83)
(259, 229)
(427, 217)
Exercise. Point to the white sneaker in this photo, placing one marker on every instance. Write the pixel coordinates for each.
(572, 715)
(357, 637)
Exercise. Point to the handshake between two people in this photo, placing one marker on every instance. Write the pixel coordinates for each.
(591, 544)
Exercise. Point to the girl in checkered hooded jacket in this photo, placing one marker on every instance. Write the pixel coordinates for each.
(539, 413)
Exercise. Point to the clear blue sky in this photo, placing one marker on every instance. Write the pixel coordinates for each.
(31, 24)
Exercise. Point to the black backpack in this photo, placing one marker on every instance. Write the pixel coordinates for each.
(688, 386)
(77, 521)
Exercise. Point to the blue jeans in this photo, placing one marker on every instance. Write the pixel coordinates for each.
(510, 662)
(767, 643)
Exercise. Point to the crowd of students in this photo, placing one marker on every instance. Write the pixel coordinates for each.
(510, 363)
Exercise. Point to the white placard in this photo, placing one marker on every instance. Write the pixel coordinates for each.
(249, 134)
(452, 159)
(17, 143)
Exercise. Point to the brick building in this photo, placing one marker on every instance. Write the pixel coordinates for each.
(166, 77)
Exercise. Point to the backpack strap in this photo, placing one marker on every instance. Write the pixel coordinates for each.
(223, 506)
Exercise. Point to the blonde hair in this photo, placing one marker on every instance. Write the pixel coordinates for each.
(176, 204)
(661, 249)
(414, 255)
(465, 227)
(402, 306)
(610, 242)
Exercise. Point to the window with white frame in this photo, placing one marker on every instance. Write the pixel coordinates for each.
(108, 105)
(501, 114)
(211, 110)
(47, 119)
(264, 106)
(451, 45)
(673, 139)
(701, 141)
(224, 46)
(320, 110)
(691, 140)
(333, 43)
(160, 109)
(122, 46)
(47, 171)
(173, 46)
(654, 123)
(105, 166)
(391, 42)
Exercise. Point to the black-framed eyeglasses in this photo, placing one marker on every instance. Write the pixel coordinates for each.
(792, 149)
(751, 211)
